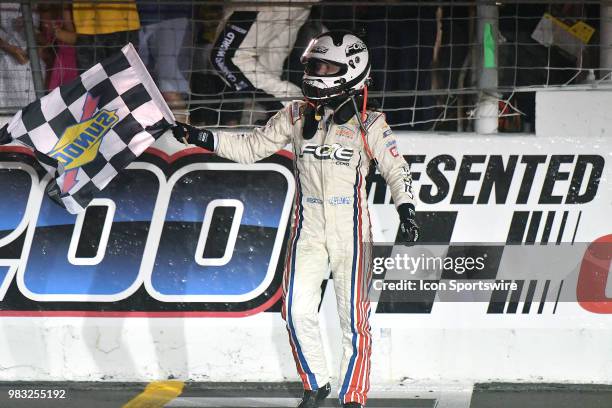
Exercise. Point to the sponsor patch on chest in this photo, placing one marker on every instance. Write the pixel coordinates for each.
(344, 132)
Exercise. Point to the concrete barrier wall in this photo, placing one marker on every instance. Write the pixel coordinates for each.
(141, 338)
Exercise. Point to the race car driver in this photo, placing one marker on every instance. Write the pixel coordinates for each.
(333, 143)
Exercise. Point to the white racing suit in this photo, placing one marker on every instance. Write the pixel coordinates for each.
(252, 46)
(330, 230)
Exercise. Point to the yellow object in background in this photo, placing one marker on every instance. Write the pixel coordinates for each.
(572, 39)
(580, 30)
(105, 18)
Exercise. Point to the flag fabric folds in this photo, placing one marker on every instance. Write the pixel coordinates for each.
(85, 132)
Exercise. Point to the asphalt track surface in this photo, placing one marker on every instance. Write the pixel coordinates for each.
(176, 394)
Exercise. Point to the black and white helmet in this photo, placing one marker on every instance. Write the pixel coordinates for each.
(335, 63)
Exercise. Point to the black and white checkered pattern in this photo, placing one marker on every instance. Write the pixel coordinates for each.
(122, 84)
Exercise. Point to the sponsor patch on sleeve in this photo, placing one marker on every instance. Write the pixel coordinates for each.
(372, 117)
(296, 112)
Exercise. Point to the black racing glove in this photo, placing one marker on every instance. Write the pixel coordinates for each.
(409, 229)
(193, 135)
(4, 135)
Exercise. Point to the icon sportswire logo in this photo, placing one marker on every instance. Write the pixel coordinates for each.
(80, 143)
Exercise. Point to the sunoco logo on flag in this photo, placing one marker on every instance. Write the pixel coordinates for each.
(85, 132)
(80, 143)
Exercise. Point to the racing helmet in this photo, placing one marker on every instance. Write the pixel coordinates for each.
(336, 63)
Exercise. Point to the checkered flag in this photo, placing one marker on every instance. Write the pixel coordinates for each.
(85, 132)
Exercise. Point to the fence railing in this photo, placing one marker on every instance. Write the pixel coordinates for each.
(452, 66)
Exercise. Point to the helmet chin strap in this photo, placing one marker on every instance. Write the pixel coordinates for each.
(361, 116)
(332, 103)
(318, 115)
(361, 119)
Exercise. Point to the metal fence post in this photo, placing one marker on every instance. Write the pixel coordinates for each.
(605, 42)
(487, 111)
(26, 10)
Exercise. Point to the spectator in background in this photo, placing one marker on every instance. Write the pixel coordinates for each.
(401, 40)
(58, 33)
(166, 45)
(206, 85)
(251, 48)
(103, 28)
(16, 81)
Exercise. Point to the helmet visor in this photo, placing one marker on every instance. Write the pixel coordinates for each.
(321, 68)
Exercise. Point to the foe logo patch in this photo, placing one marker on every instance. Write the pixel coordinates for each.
(355, 48)
(328, 152)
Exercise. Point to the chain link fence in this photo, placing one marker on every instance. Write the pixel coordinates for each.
(443, 66)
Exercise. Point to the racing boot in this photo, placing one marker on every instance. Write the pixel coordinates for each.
(352, 405)
(313, 399)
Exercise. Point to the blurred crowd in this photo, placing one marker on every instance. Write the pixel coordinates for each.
(228, 65)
